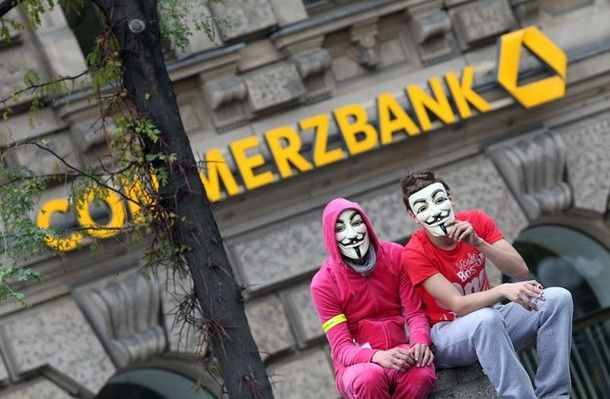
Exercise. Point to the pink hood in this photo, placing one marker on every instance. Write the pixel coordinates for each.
(329, 218)
(366, 313)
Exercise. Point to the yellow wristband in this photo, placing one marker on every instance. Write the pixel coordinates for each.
(333, 321)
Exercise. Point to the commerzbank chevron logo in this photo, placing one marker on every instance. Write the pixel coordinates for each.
(541, 91)
(281, 152)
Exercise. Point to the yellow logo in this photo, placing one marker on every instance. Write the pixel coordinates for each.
(535, 93)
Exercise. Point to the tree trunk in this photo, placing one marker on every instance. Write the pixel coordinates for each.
(149, 86)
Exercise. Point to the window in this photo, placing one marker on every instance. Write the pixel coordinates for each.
(565, 257)
(152, 383)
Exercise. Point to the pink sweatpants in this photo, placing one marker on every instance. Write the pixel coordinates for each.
(372, 381)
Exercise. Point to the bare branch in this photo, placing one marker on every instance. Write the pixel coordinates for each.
(6, 6)
(76, 172)
(35, 87)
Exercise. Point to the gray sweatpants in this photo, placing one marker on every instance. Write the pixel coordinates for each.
(491, 336)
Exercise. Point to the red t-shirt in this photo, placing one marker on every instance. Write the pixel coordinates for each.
(463, 266)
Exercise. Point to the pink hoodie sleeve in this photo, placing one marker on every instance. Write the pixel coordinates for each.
(343, 349)
(419, 328)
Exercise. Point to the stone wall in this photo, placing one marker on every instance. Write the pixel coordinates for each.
(463, 383)
(56, 334)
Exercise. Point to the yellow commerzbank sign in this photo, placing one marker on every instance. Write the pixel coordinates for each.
(357, 131)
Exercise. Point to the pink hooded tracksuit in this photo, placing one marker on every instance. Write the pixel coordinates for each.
(364, 314)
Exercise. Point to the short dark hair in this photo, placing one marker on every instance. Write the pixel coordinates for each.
(415, 181)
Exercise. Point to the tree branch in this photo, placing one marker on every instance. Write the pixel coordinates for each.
(35, 87)
(6, 6)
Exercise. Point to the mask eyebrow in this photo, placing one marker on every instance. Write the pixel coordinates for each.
(353, 215)
(417, 201)
(437, 192)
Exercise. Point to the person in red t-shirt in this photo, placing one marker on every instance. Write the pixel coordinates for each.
(446, 263)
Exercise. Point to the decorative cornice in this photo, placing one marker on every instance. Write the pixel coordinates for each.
(310, 64)
(534, 169)
(223, 91)
(128, 319)
(364, 37)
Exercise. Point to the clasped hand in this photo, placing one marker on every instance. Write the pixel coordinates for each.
(398, 358)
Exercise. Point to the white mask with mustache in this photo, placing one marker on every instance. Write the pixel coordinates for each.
(352, 235)
(432, 207)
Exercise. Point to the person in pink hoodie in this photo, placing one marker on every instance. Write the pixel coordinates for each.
(366, 304)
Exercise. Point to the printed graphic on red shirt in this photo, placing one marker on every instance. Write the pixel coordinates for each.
(471, 274)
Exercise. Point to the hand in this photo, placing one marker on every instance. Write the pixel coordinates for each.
(461, 230)
(525, 293)
(395, 358)
(422, 355)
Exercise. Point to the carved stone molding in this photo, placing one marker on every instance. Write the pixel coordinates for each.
(481, 20)
(313, 63)
(432, 31)
(364, 37)
(246, 17)
(534, 169)
(312, 68)
(127, 317)
(273, 85)
(224, 92)
(227, 100)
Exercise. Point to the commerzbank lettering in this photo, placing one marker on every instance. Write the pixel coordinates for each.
(359, 130)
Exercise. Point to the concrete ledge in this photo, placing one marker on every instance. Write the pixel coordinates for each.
(463, 383)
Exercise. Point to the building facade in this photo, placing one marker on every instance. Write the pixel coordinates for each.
(305, 101)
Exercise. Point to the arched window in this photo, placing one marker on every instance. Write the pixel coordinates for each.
(560, 255)
(563, 256)
(153, 383)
